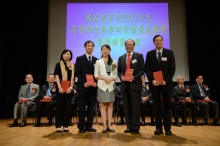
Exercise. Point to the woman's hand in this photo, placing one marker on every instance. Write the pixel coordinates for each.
(61, 90)
(68, 91)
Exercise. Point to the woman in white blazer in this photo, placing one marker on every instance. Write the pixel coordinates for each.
(106, 74)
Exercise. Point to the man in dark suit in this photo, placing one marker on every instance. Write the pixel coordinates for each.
(119, 104)
(183, 97)
(201, 94)
(146, 101)
(47, 92)
(87, 93)
(131, 88)
(161, 59)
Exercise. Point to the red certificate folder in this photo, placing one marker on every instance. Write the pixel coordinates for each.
(158, 76)
(129, 73)
(185, 101)
(45, 100)
(65, 85)
(90, 79)
(203, 101)
(23, 101)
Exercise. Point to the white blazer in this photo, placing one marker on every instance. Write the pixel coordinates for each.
(100, 70)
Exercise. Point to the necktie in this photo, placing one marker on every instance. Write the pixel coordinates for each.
(159, 58)
(182, 89)
(27, 95)
(90, 61)
(128, 61)
(202, 93)
(48, 91)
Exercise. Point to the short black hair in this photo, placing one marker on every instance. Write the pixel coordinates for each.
(130, 40)
(157, 36)
(28, 74)
(89, 41)
(199, 75)
(50, 74)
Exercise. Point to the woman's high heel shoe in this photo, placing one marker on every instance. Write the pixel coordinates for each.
(58, 130)
(110, 130)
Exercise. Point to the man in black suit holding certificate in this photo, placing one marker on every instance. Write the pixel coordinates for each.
(161, 59)
(87, 92)
(131, 86)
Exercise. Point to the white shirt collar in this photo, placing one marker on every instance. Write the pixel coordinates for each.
(88, 56)
(160, 51)
(130, 53)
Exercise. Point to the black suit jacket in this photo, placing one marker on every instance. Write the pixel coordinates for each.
(138, 70)
(167, 67)
(82, 68)
(44, 89)
(196, 92)
(178, 94)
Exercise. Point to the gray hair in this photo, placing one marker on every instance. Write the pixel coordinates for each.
(179, 76)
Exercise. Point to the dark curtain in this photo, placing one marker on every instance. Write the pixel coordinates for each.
(203, 36)
(24, 48)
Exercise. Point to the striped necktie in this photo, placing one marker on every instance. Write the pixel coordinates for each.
(27, 95)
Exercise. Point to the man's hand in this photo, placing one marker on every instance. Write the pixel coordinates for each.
(27, 99)
(46, 97)
(155, 83)
(163, 83)
(86, 85)
(123, 78)
(94, 85)
(131, 79)
(207, 99)
(188, 99)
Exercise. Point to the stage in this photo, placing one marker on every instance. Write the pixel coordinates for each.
(43, 136)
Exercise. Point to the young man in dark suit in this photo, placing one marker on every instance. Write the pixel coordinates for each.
(131, 88)
(47, 91)
(87, 93)
(201, 94)
(184, 99)
(161, 59)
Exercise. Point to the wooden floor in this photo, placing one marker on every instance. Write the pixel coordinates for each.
(42, 136)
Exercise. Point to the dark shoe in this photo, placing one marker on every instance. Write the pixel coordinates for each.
(177, 124)
(158, 132)
(121, 122)
(168, 132)
(136, 132)
(195, 123)
(110, 130)
(185, 123)
(104, 131)
(216, 123)
(91, 129)
(49, 124)
(128, 130)
(71, 123)
(143, 123)
(14, 124)
(204, 122)
(82, 131)
(37, 124)
(23, 124)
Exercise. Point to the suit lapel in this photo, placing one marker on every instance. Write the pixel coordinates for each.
(124, 61)
(132, 58)
(86, 60)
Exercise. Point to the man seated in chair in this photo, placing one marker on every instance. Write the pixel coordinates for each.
(27, 94)
(201, 94)
(73, 104)
(183, 96)
(146, 101)
(119, 104)
(47, 100)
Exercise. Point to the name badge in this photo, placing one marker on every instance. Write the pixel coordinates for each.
(164, 58)
(134, 61)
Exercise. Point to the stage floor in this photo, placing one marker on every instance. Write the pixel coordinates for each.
(43, 136)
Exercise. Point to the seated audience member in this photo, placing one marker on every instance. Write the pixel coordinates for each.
(47, 92)
(73, 104)
(119, 104)
(146, 101)
(27, 94)
(201, 94)
(183, 96)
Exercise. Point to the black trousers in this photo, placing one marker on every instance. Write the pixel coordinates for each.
(85, 98)
(205, 106)
(148, 104)
(73, 110)
(189, 105)
(157, 93)
(63, 109)
(131, 104)
(49, 106)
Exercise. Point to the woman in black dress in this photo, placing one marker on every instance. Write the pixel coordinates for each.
(64, 71)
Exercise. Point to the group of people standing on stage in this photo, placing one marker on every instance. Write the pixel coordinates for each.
(105, 71)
